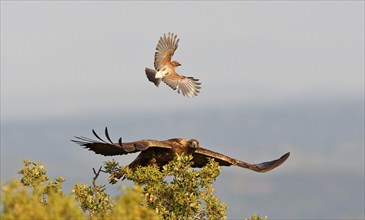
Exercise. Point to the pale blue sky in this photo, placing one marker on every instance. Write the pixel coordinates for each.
(276, 76)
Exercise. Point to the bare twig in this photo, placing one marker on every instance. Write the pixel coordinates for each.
(96, 176)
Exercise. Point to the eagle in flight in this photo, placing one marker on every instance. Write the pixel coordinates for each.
(165, 68)
(153, 152)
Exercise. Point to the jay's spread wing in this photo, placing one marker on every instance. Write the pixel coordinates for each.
(165, 49)
(188, 86)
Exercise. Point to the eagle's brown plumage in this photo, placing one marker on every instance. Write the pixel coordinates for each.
(161, 152)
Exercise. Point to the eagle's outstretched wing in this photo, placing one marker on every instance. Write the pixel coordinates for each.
(201, 156)
(165, 49)
(105, 148)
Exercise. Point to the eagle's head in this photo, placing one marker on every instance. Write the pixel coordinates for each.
(193, 144)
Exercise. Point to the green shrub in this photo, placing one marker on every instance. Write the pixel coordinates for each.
(129, 206)
(177, 191)
(33, 198)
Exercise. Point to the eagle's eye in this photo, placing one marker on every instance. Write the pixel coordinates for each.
(193, 144)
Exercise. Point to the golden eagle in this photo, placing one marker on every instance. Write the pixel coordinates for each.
(153, 152)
